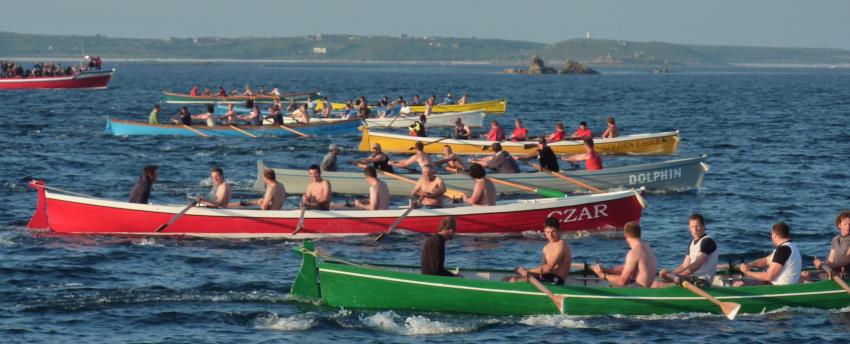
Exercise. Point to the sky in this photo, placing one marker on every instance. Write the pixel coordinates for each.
(777, 23)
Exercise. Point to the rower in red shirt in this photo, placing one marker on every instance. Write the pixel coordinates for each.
(496, 133)
(520, 133)
(592, 160)
(558, 135)
(194, 91)
(582, 133)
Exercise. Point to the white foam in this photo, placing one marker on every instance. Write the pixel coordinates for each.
(146, 242)
(412, 326)
(297, 322)
(560, 320)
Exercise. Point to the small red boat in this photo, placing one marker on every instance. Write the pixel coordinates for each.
(88, 79)
(66, 212)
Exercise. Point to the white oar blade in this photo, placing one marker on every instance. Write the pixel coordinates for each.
(730, 309)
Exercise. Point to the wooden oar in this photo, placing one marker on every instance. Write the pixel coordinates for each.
(730, 309)
(196, 131)
(398, 220)
(242, 131)
(558, 300)
(174, 218)
(296, 132)
(835, 277)
(562, 176)
(451, 193)
(544, 192)
(300, 224)
(432, 142)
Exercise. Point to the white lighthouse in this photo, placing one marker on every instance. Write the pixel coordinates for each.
(587, 35)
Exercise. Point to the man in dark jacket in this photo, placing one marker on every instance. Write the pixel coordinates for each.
(434, 250)
(142, 190)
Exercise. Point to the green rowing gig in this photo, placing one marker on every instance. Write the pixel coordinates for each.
(337, 283)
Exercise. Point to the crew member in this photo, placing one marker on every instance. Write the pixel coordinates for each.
(142, 190)
(318, 194)
(557, 258)
(433, 257)
(639, 266)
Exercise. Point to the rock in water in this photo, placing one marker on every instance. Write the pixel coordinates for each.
(573, 67)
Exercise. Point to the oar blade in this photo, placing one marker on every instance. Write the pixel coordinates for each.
(550, 193)
(559, 302)
(730, 309)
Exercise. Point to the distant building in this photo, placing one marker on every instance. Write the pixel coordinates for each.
(588, 35)
(320, 51)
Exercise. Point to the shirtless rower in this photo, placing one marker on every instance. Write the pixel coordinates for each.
(379, 193)
(592, 160)
(275, 193)
(419, 157)
(501, 160)
(429, 189)
(219, 195)
(640, 264)
(378, 159)
(612, 131)
(700, 264)
(484, 191)
(318, 194)
(229, 117)
(547, 158)
(452, 161)
(557, 258)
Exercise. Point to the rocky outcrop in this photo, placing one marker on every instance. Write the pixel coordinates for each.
(538, 67)
(573, 67)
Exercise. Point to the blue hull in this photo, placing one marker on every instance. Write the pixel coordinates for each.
(132, 128)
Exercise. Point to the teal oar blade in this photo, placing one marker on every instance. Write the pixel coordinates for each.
(550, 193)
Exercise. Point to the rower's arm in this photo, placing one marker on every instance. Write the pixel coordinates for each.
(626, 270)
(696, 265)
(439, 190)
(575, 157)
(678, 270)
(550, 264)
(760, 263)
(477, 193)
(373, 199)
(773, 270)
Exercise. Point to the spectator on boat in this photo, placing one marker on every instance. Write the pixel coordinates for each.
(230, 116)
(208, 116)
(183, 117)
(700, 264)
(592, 160)
(154, 116)
(558, 135)
(496, 133)
(547, 158)
(274, 115)
(557, 258)
(582, 133)
(461, 131)
(418, 128)
(783, 266)
(142, 190)
(416, 101)
(463, 99)
(447, 100)
(419, 156)
(301, 115)
(433, 259)
(452, 161)
(378, 159)
(219, 195)
(194, 91)
(484, 191)
(404, 110)
(520, 133)
(501, 160)
(275, 193)
(329, 161)
(640, 264)
(839, 252)
(429, 189)
(318, 194)
(221, 92)
(612, 131)
(379, 193)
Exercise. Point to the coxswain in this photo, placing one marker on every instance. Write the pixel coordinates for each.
(582, 133)
(318, 193)
(501, 160)
(329, 161)
(418, 128)
(461, 130)
(378, 159)
(182, 117)
(839, 251)
(451, 160)
(700, 264)
(419, 156)
(153, 118)
(275, 193)
(592, 160)
(219, 195)
(639, 266)
(429, 189)
(484, 191)
(558, 135)
(379, 193)
(547, 158)
(557, 258)
(520, 133)
(612, 131)
(142, 190)
(433, 259)
(496, 133)
(783, 266)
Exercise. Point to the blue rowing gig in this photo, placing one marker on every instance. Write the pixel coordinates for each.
(120, 127)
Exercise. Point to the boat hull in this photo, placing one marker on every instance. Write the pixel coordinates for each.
(471, 118)
(662, 177)
(131, 128)
(87, 79)
(182, 98)
(62, 213)
(664, 143)
(489, 106)
(360, 286)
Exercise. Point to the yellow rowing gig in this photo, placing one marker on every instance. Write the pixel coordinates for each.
(489, 106)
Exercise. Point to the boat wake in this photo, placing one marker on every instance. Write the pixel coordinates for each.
(415, 325)
(560, 320)
(297, 322)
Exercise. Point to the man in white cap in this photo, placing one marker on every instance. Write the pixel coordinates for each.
(329, 162)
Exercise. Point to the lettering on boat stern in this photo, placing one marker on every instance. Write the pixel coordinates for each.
(655, 176)
(621, 146)
(580, 214)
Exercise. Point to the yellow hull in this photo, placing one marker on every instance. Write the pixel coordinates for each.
(490, 106)
(640, 144)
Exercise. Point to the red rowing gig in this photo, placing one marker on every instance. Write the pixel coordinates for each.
(64, 213)
(88, 79)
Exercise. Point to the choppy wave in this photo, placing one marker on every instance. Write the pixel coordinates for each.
(559, 320)
(297, 322)
(414, 325)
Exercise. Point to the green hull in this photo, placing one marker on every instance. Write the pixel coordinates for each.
(393, 287)
(179, 98)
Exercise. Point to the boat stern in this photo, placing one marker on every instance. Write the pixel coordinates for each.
(364, 140)
(306, 284)
(39, 217)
